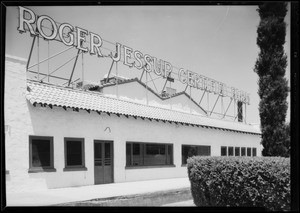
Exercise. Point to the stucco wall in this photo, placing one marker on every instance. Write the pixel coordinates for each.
(25, 119)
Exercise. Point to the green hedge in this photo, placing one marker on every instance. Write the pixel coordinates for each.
(240, 181)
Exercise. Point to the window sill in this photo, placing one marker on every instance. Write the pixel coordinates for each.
(37, 170)
(70, 169)
(149, 167)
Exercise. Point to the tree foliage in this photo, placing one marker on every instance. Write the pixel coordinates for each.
(287, 143)
(270, 67)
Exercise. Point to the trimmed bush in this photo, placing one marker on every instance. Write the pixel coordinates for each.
(240, 181)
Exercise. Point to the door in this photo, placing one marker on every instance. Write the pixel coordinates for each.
(103, 161)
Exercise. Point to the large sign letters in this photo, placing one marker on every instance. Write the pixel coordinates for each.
(79, 38)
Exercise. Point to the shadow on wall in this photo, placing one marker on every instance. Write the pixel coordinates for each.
(7, 176)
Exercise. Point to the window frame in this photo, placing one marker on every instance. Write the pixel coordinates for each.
(247, 149)
(254, 148)
(143, 154)
(226, 150)
(243, 149)
(50, 168)
(235, 151)
(75, 167)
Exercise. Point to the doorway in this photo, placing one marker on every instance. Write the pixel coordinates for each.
(103, 161)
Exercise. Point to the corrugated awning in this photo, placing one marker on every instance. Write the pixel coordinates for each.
(41, 93)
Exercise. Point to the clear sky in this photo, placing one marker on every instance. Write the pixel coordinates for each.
(215, 41)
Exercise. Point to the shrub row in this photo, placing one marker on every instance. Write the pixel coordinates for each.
(240, 181)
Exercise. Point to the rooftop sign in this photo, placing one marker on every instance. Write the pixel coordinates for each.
(91, 42)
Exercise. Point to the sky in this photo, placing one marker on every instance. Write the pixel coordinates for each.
(218, 42)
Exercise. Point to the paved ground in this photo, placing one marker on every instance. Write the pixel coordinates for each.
(159, 198)
(73, 194)
(182, 203)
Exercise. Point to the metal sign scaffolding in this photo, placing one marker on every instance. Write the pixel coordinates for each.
(218, 102)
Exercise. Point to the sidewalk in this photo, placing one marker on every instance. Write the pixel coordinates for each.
(73, 194)
(189, 203)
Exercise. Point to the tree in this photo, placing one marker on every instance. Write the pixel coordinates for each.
(287, 143)
(273, 86)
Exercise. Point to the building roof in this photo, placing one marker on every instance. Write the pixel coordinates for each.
(126, 81)
(51, 95)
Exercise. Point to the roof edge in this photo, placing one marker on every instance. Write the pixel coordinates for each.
(255, 131)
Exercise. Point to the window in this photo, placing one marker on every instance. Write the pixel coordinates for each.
(230, 151)
(41, 154)
(137, 154)
(248, 151)
(223, 150)
(237, 151)
(243, 151)
(191, 150)
(170, 155)
(148, 154)
(253, 152)
(74, 154)
(128, 153)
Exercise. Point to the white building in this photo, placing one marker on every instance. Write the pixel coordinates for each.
(63, 137)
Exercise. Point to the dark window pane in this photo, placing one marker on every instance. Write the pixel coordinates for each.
(223, 151)
(248, 151)
(162, 150)
(137, 158)
(189, 151)
(74, 153)
(240, 111)
(170, 154)
(203, 150)
(155, 154)
(128, 154)
(98, 150)
(184, 154)
(136, 149)
(237, 151)
(146, 154)
(253, 152)
(41, 153)
(107, 154)
(243, 151)
(107, 150)
(230, 151)
(192, 151)
(155, 149)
